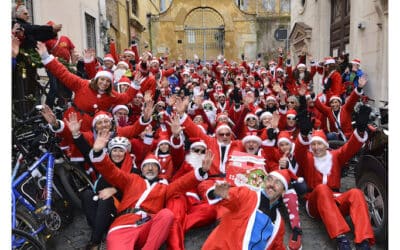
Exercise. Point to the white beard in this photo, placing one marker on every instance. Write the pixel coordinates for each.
(194, 160)
(301, 76)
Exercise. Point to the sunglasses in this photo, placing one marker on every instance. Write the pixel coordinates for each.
(224, 134)
(291, 118)
(292, 102)
(198, 151)
(251, 119)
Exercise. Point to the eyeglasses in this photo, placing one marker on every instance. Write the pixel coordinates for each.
(224, 134)
(291, 118)
(199, 151)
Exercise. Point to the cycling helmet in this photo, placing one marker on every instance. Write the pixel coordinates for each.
(119, 142)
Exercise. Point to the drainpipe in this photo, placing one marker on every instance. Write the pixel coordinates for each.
(128, 13)
(148, 15)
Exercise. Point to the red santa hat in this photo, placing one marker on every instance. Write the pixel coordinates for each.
(139, 94)
(222, 125)
(356, 61)
(164, 138)
(270, 98)
(265, 115)
(291, 113)
(284, 136)
(186, 72)
(319, 135)
(150, 158)
(263, 71)
(329, 60)
(124, 81)
(286, 177)
(271, 62)
(279, 70)
(123, 63)
(99, 116)
(220, 93)
(118, 107)
(50, 23)
(197, 142)
(335, 97)
(104, 73)
(301, 65)
(251, 115)
(108, 57)
(251, 136)
(129, 51)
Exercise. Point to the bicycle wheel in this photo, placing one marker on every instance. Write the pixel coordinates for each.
(74, 181)
(26, 222)
(22, 240)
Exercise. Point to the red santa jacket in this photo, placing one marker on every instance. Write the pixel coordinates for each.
(138, 192)
(326, 169)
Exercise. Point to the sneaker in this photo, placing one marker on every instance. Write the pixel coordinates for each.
(364, 245)
(343, 243)
(295, 239)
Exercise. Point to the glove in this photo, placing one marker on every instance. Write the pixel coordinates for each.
(362, 118)
(242, 56)
(300, 186)
(304, 122)
(271, 134)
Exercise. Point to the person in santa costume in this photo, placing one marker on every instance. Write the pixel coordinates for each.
(90, 96)
(322, 172)
(257, 222)
(142, 222)
(190, 211)
(332, 80)
(340, 116)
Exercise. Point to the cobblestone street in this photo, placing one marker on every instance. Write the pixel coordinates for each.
(77, 234)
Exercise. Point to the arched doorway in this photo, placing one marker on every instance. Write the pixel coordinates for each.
(340, 27)
(204, 34)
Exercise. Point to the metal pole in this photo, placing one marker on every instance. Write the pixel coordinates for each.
(204, 36)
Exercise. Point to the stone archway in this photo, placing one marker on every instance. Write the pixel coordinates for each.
(204, 33)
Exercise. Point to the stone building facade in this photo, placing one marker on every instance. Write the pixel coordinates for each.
(357, 27)
(209, 28)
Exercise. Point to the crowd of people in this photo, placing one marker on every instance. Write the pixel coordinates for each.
(157, 135)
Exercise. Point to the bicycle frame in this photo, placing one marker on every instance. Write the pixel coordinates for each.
(16, 196)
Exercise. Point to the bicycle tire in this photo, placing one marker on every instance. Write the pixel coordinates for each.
(74, 180)
(26, 222)
(30, 242)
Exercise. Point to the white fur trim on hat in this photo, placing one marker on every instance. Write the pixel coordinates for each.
(335, 98)
(281, 178)
(301, 65)
(284, 139)
(128, 51)
(250, 115)
(108, 58)
(329, 61)
(221, 127)
(118, 107)
(150, 161)
(270, 98)
(318, 138)
(198, 144)
(104, 73)
(265, 114)
(99, 117)
(248, 138)
(163, 141)
(124, 64)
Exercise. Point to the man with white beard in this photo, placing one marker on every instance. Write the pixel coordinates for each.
(189, 210)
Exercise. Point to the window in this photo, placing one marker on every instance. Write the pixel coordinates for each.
(191, 38)
(135, 7)
(269, 5)
(90, 31)
(285, 6)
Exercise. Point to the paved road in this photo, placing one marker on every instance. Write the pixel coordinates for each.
(77, 234)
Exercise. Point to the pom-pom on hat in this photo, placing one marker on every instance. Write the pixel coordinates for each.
(108, 57)
(319, 135)
(285, 176)
(150, 158)
(99, 116)
(284, 136)
(104, 73)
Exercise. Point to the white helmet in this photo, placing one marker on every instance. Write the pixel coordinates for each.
(119, 142)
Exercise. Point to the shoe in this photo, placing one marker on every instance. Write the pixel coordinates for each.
(364, 245)
(343, 243)
(295, 239)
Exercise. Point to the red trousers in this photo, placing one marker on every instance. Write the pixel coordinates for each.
(331, 208)
(150, 235)
(188, 213)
